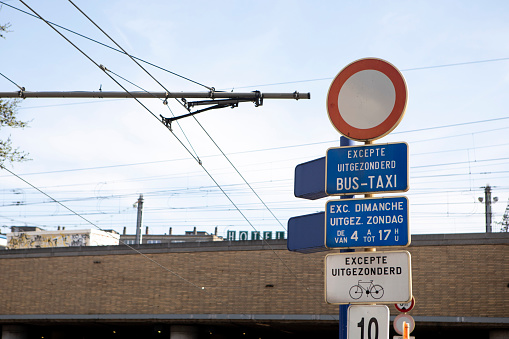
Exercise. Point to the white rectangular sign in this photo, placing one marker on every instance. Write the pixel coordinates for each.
(368, 277)
(368, 321)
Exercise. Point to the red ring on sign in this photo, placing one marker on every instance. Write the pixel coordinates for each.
(412, 304)
(407, 318)
(394, 117)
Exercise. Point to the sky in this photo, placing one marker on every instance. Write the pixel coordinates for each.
(97, 156)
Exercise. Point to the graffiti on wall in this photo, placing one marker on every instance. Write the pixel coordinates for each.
(26, 240)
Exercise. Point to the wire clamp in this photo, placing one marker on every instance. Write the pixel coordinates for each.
(166, 122)
(296, 95)
(21, 92)
(258, 99)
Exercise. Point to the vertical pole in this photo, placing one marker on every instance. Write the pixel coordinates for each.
(343, 320)
(343, 309)
(487, 205)
(369, 249)
(138, 221)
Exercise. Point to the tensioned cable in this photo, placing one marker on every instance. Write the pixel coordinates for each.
(224, 207)
(132, 248)
(100, 43)
(145, 256)
(238, 172)
(111, 77)
(162, 161)
(403, 70)
(20, 88)
(103, 68)
(125, 52)
(178, 124)
(146, 108)
(70, 103)
(454, 64)
(220, 150)
(91, 223)
(261, 85)
(453, 125)
(460, 162)
(458, 64)
(124, 243)
(141, 253)
(247, 183)
(210, 137)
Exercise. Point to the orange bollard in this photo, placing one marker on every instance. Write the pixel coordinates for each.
(406, 330)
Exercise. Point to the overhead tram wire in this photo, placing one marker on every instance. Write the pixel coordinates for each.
(210, 137)
(141, 253)
(124, 51)
(243, 178)
(146, 108)
(20, 88)
(103, 68)
(220, 150)
(460, 162)
(102, 44)
(69, 104)
(162, 161)
(180, 127)
(251, 86)
(91, 223)
(402, 70)
(454, 64)
(452, 125)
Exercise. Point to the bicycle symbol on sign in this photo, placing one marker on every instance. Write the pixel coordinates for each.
(376, 291)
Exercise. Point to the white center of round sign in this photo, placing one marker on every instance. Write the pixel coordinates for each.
(367, 99)
(398, 323)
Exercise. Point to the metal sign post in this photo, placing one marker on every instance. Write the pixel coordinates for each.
(365, 102)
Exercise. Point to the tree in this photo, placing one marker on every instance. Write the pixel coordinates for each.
(504, 224)
(8, 119)
(3, 28)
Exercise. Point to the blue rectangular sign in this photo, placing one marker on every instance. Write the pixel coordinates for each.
(368, 222)
(309, 182)
(306, 233)
(367, 169)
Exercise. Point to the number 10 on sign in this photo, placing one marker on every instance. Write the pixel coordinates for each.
(368, 322)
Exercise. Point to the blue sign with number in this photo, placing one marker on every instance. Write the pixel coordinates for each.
(369, 222)
(367, 169)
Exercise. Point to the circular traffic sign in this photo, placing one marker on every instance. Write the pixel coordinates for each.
(405, 307)
(367, 99)
(400, 319)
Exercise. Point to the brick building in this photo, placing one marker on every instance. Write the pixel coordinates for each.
(248, 289)
(188, 236)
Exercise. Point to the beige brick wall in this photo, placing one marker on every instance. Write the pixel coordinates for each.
(456, 280)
